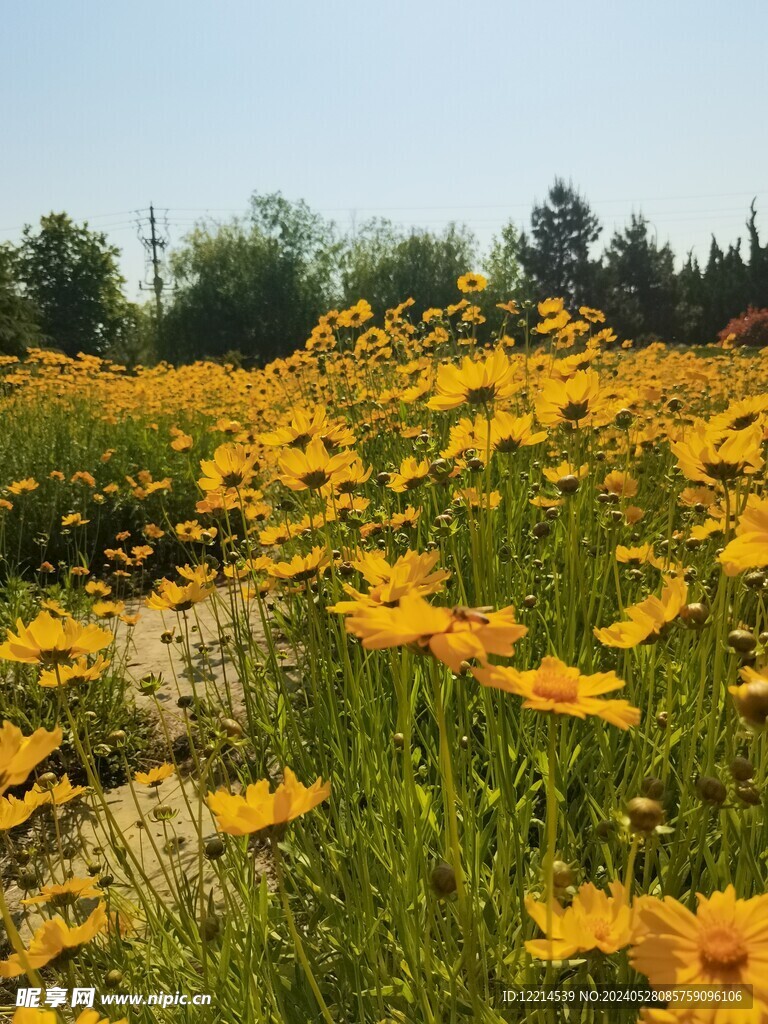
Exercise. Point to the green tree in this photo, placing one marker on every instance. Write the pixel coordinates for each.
(503, 266)
(639, 287)
(255, 285)
(386, 266)
(557, 255)
(18, 327)
(70, 276)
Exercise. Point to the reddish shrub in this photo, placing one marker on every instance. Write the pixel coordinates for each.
(750, 329)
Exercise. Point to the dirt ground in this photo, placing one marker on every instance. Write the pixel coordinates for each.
(166, 850)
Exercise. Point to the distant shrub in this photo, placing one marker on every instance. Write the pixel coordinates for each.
(750, 329)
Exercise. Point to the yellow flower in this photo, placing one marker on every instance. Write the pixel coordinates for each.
(724, 943)
(478, 383)
(78, 672)
(155, 776)
(472, 283)
(556, 687)
(642, 555)
(749, 549)
(509, 433)
(572, 401)
(50, 641)
(176, 597)
(52, 939)
(622, 484)
(232, 465)
(74, 519)
(108, 609)
(23, 486)
(410, 475)
(15, 812)
(594, 920)
(65, 895)
(648, 620)
(240, 815)
(19, 754)
(300, 567)
(59, 794)
(96, 588)
(411, 573)
(451, 635)
(710, 457)
(314, 468)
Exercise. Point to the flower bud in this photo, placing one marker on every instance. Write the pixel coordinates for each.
(741, 640)
(741, 769)
(443, 879)
(752, 702)
(652, 787)
(113, 978)
(562, 874)
(711, 790)
(232, 728)
(644, 813)
(748, 794)
(214, 848)
(567, 484)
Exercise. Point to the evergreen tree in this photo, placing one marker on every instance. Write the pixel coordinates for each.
(640, 288)
(557, 256)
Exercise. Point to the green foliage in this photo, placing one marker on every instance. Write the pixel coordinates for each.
(255, 285)
(71, 278)
(557, 256)
(386, 265)
(17, 320)
(639, 287)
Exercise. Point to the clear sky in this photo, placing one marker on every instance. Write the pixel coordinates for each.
(423, 111)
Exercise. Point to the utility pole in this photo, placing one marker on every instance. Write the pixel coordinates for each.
(155, 246)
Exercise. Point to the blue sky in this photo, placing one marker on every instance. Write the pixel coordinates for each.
(423, 111)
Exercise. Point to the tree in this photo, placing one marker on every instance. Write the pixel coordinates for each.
(71, 278)
(386, 266)
(506, 277)
(639, 285)
(558, 255)
(18, 327)
(255, 285)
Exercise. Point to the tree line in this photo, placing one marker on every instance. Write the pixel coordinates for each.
(253, 288)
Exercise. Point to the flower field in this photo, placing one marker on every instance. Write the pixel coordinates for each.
(463, 681)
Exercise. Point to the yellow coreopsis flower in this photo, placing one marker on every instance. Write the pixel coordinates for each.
(573, 401)
(155, 776)
(64, 895)
(709, 456)
(52, 939)
(749, 548)
(301, 567)
(19, 754)
(411, 573)
(648, 620)
(175, 597)
(724, 943)
(15, 812)
(452, 635)
(314, 468)
(477, 382)
(240, 815)
(51, 641)
(595, 920)
(411, 474)
(78, 672)
(559, 688)
(468, 283)
(232, 466)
